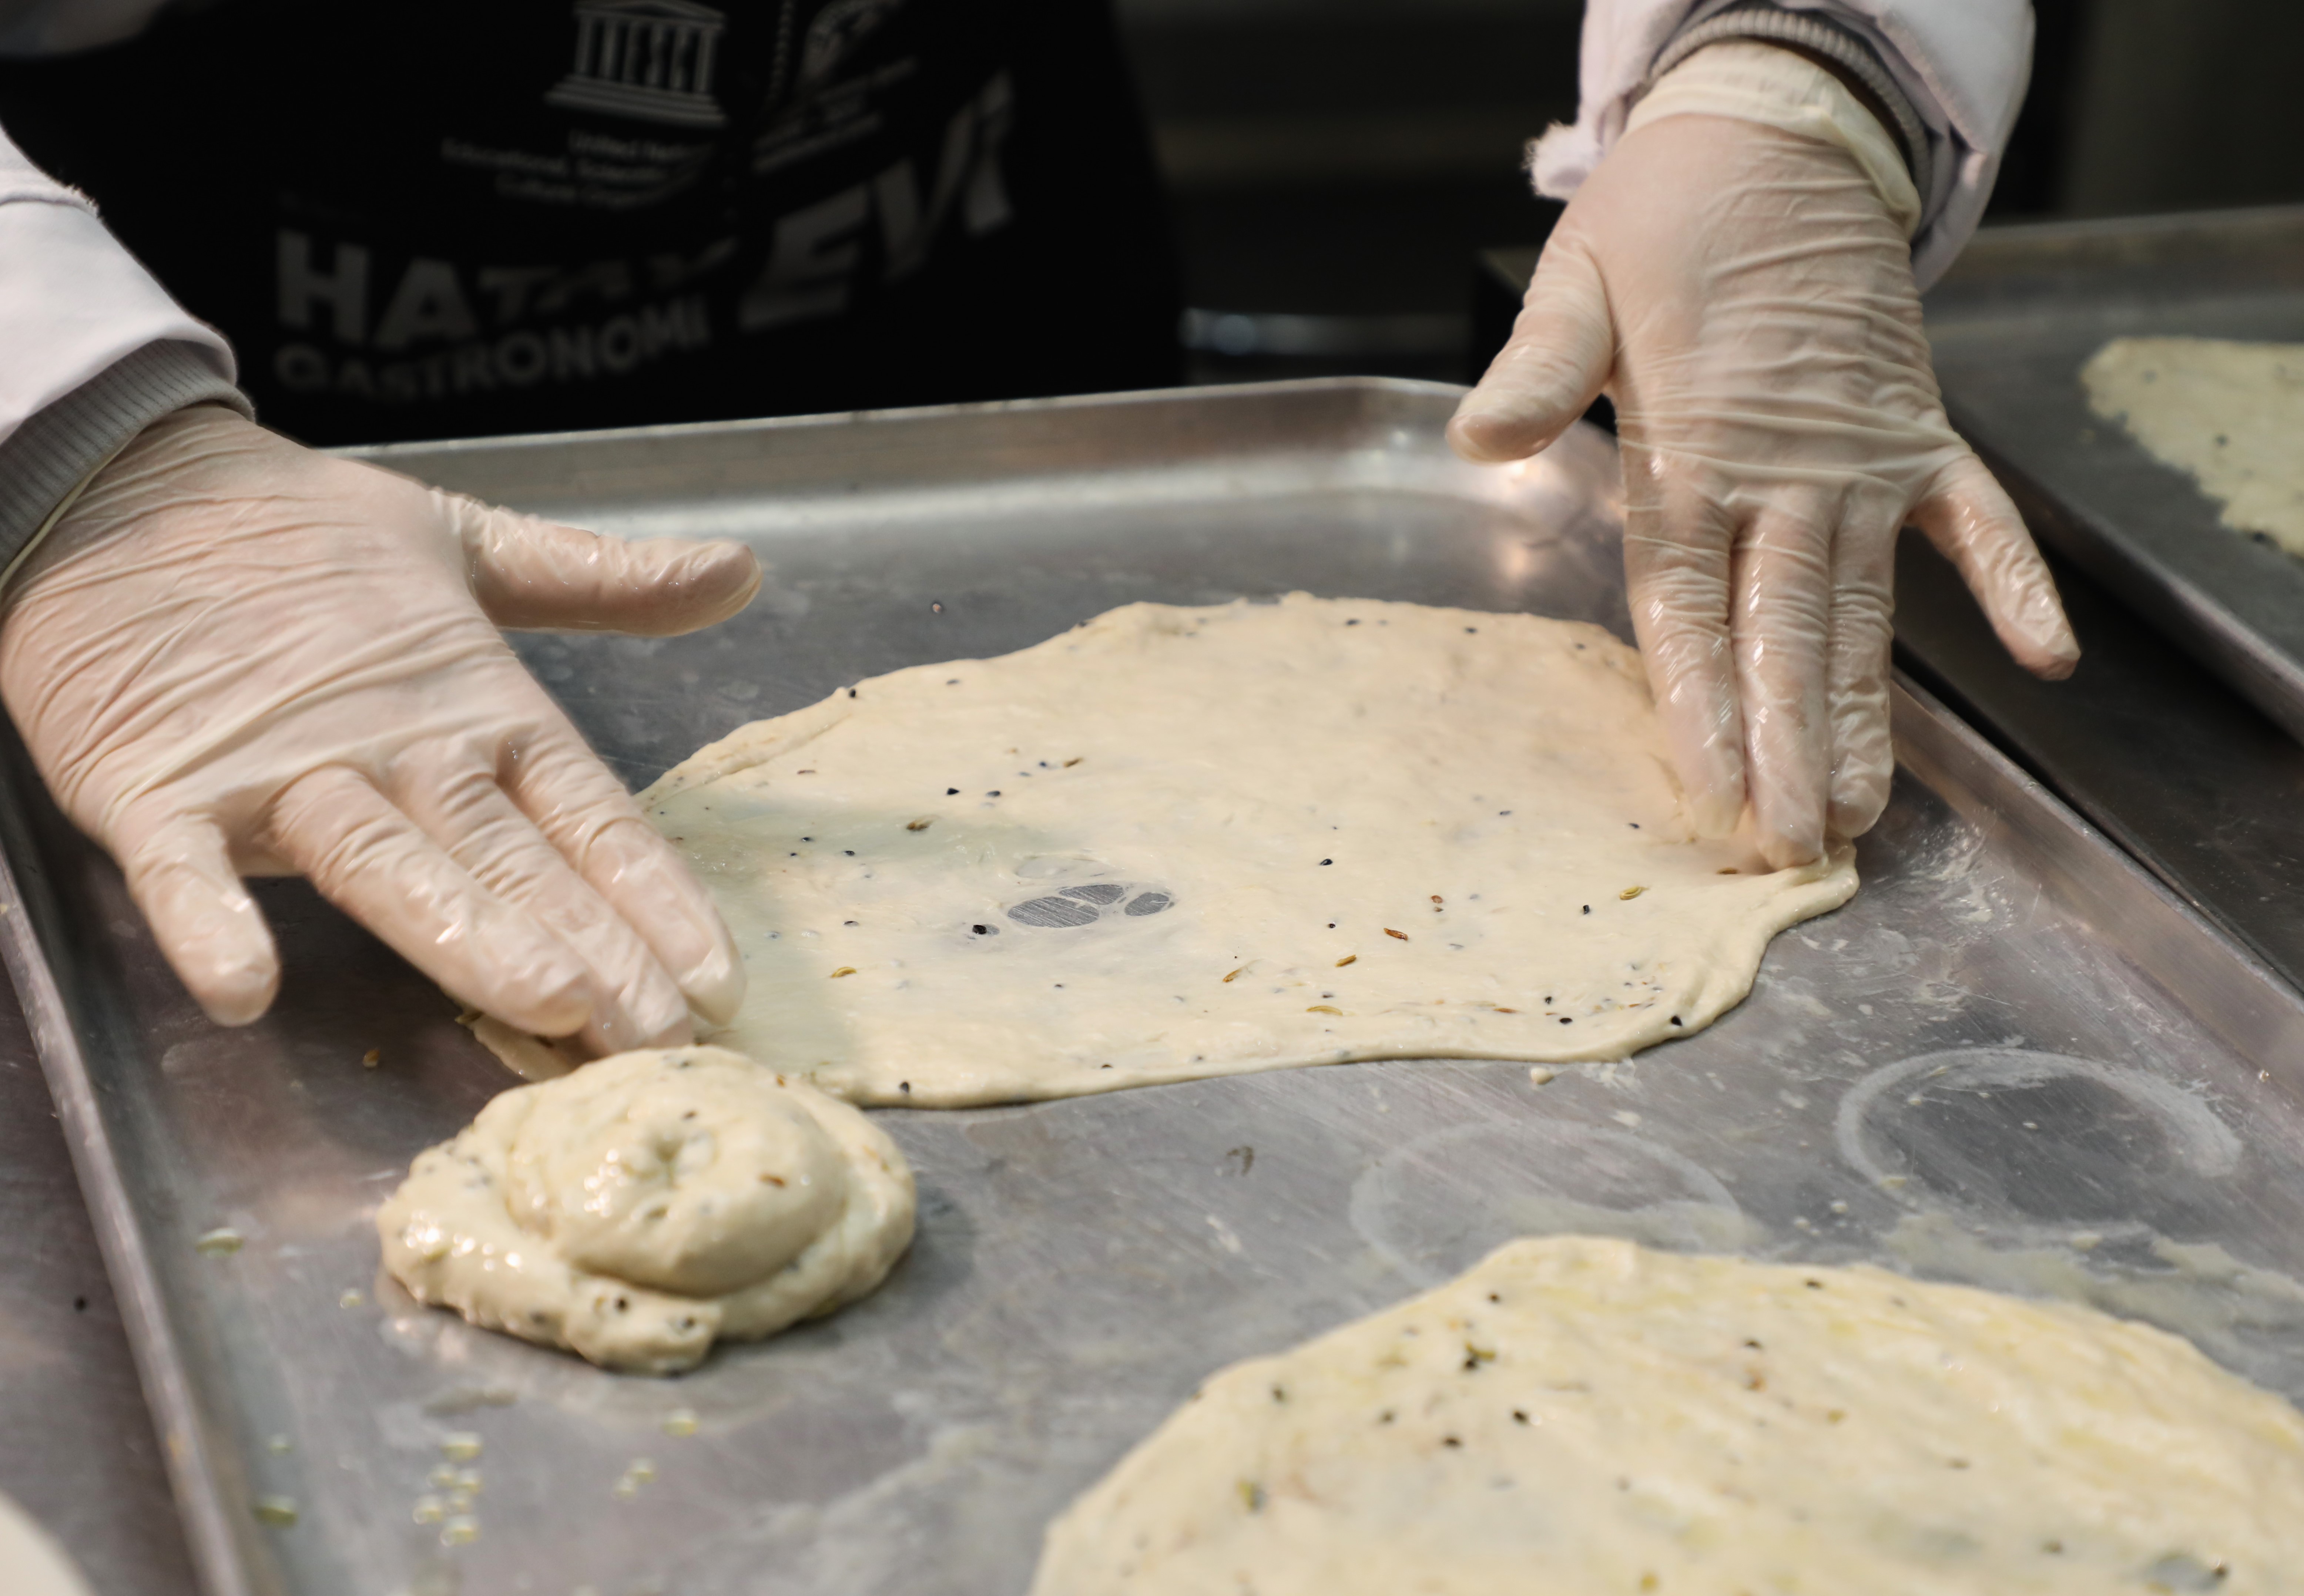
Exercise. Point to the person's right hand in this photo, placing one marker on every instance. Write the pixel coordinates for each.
(235, 656)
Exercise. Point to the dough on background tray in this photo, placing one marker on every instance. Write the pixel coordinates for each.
(1580, 1416)
(1181, 842)
(31, 1562)
(2230, 413)
(651, 1204)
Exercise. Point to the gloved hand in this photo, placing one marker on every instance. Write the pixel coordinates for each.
(1744, 298)
(235, 656)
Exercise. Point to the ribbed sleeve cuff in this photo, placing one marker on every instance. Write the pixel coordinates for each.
(46, 459)
(1763, 22)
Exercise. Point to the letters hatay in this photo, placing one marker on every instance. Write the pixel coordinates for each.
(649, 60)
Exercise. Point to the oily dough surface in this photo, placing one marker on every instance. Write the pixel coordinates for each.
(2230, 413)
(651, 1202)
(1581, 1415)
(1181, 842)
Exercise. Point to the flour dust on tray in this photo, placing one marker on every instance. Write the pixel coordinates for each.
(2229, 413)
(641, 1208)
(1581, 1417)
(1181, 842)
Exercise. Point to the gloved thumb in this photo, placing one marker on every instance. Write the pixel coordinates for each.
(180, 874)
(1561, 350)
(530, 572)
(1970, 518)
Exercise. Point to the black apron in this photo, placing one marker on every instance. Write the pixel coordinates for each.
(437, 218)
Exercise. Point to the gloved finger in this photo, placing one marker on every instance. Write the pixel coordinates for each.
(1562, 350)
(1863, 622)
(457, 801)
(1781, 620)
(1970, 518)
(1677, 555)
(370, 860)
(530, 572)
(587, 815)
(180, 874)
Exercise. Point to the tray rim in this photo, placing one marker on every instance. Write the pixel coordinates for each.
(1981, 785)
(2202, 609)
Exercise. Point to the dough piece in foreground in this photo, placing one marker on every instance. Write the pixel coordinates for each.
(1580, 1416)
(1183, 842)
(646, 1205)
(2230, 413)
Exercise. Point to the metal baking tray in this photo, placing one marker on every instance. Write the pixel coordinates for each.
(2013, 1058)
(2013, 322)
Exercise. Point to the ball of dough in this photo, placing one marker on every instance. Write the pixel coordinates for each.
(643, 1207)
(701, 1175)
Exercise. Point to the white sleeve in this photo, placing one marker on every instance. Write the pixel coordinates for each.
(1963, 65)
(73, 301)
(91, 348)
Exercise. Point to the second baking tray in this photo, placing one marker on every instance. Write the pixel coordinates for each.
(2011, 1060)
(2012, 323)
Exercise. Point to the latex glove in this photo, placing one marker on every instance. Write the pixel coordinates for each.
(1744, 296)
(236, 656)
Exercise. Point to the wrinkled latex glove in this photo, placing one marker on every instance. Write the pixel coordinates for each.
(1743, 297)
(235, 656)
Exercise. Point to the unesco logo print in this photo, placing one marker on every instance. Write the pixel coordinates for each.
(648, 60)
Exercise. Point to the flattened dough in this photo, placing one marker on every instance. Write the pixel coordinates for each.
(650, 1203)
(1181, 842)
(2229, 413)
(1579, 1415)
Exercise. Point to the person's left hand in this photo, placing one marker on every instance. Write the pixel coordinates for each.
(1745, 298)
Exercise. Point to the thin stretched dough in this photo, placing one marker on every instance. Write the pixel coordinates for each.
(1580, 1417)
(1181, 842)
(2229, 413)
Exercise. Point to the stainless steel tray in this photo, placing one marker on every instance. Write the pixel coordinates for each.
(2013, 1058)
(2013, 322)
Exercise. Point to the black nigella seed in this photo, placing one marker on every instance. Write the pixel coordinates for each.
(1566, 1021)
(1675, 1020)
(994, 793)
(979, 930)
(951, 791)
(1327, 861)
(903, 1086)
(1587, 908)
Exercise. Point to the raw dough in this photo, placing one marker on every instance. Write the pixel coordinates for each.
(1579, 1415)
(31, 1562)
(2229, 413)
(650, 1203)
(1180, 842)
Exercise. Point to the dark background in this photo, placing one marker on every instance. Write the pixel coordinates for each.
(1334, 165)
